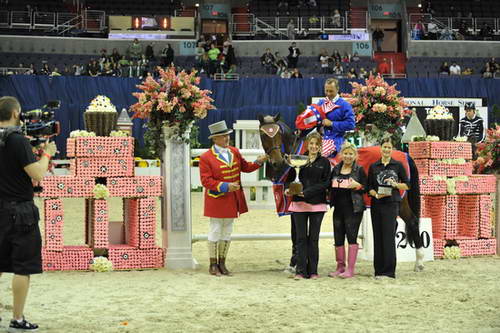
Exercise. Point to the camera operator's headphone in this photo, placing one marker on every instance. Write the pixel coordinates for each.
(6, 131)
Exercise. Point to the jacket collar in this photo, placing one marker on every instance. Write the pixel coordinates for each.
(221, 158)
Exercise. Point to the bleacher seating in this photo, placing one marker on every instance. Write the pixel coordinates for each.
(269, 8)
(429, 67)
(478, 8)
(38, 5)
(135, 7)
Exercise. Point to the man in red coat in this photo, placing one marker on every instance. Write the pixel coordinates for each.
(220, 173)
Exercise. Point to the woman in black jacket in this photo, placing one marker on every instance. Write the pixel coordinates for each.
(386, 178)
(309, 207)
(346, 195)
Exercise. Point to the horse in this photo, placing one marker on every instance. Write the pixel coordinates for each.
(278, 140)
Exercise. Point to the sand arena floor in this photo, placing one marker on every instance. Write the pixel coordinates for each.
(449, 296)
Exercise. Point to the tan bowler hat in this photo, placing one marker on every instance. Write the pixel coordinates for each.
(218, 128)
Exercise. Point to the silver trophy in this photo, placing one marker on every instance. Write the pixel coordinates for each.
(297, 162)
(384, 178)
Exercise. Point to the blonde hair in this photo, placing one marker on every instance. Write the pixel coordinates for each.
(347, 145)
(315, 135)
(335, 82)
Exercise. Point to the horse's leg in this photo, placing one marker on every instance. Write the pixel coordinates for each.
(412, 232)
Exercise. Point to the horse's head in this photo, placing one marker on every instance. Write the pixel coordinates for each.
(272, 138)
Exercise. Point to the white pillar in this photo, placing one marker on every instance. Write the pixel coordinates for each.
(176, 206)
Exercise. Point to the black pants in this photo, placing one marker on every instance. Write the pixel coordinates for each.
(346, 223)
(293, 232)
(307, 226)
(292, 62)
(384, 232)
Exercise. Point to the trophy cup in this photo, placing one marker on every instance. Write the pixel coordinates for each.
(297, 162)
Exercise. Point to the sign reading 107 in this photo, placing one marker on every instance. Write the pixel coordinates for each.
(187, 48)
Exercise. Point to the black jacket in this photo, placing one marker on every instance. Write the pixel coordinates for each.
(472, 128)
(359, 175)
(395, 170)
(315, 179)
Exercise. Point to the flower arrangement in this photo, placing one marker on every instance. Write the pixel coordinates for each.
(439, 112)
(175, 102)
(488, 152)
(425, 138)
(101, 103)
(100, 191)
(118, 133)
(452, 252)
(78, 133)
(378, 109)
(101, 264)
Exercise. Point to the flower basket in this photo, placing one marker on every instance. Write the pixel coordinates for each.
(443, 128)
(101, 123)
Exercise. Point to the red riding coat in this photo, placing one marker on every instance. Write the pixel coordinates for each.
(215, 175)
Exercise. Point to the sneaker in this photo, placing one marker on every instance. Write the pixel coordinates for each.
(23, 326)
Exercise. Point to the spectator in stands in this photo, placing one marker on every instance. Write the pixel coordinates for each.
(117, 70)
(312, 3)
(486, 32)
(487, 73)
(268, 61)
(336, 56)
(66, 71)
(444, 69)
(107, 70)
(125, 66)
(167, 55)
(142, 67)
(338, 69)
(468, 71)
(281, 70)
(222, 66)
(92, 68)
(213, 55)
(115, 56)
(383, 67)
(432, 31)
(296, 74)
(135, 50)
(346, 58)
(419, 30)
(200, 51)
(323, 61)
(205, 64)
(286, 74)
(373, 72)
(363, 74)
(378, 37)
(280, 61)
(290, 30)
(55, 72)
(355, 57)
(103, 58)
(78, 70)
(494, 66)
(336, 19)
(455, 69)
(351, 74)
(293, 55)
(462, 29)
(45, 69)
(228, 52)
(150, 53)
(283, 5)
(446, 34)
(304, 34)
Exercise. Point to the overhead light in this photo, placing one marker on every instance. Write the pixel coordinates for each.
(419, 5)
(197, 5)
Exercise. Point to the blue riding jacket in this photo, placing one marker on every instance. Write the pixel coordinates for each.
(342, 118)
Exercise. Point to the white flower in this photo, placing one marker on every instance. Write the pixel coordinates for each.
(78, 133)
(101, 264)
(460, 138)
(439, 112)
(101, 104)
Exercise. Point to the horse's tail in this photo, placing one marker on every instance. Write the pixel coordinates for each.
(412, 208)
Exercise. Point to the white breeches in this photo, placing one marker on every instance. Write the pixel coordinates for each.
(220, 229)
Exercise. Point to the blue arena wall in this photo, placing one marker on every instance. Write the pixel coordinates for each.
(242, 99)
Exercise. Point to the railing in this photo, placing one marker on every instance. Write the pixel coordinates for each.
(90, 20)
(243, 24)
(227, 76)
(42, 20)
(278, 25)
(12, 70)
(4, 19)
(20, 20)
(472, 24)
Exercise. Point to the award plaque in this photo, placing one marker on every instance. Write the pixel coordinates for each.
(341, 182)
(384, 190)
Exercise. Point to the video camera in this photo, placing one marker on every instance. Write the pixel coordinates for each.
(39, 125)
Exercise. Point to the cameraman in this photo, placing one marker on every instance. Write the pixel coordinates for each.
(20, 240)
